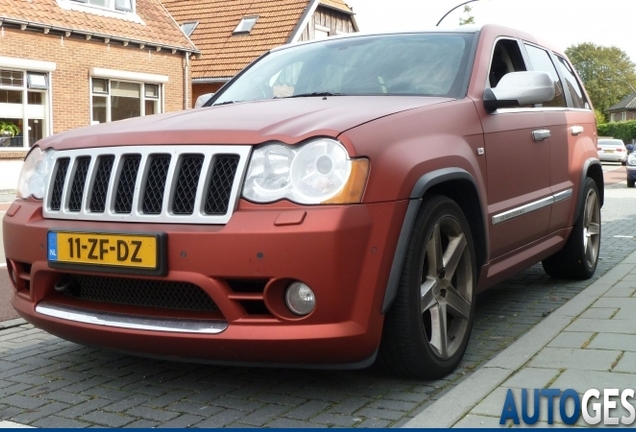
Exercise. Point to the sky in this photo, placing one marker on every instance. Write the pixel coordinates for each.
(560, 22)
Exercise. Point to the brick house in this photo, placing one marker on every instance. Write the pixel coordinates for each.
(65, 64)
(232, 34)
(623, 110)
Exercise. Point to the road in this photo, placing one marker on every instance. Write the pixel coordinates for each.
(49, 382)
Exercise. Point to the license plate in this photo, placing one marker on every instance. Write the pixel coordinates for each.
(609, 151)
(125, 251)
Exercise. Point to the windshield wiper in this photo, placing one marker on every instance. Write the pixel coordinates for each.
(224, 103)
(315, 94)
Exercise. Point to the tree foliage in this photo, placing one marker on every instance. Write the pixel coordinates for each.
(469, 18)
(607, 72)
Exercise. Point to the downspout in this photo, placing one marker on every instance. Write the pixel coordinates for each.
(186, 93)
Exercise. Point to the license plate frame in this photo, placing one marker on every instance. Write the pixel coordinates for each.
(118, 244)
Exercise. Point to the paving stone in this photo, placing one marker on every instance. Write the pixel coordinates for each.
(614, 341)
(84, 408)
(183, 421)
(581, 359)
(31, 415)
(194, 408)
(24, 402)
(285, 423)
(354, 403)
(59, 422)
(599, 313)
(221, 419)
(143, 424)
(264, 415)
(151, 413)
(568, 339)
(531, 378)
(239, 404)
(627, 364)
(169, 398)
(376, 413)
(336, 420)
(107, 419)
(308, 410)
(374, 423)
(66, 397)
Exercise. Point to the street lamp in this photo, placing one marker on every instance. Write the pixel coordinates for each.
(622, 81)
(446, 14)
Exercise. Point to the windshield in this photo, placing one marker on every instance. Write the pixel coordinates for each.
(431, 64)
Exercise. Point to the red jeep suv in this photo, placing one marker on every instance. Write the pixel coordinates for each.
(338, 203)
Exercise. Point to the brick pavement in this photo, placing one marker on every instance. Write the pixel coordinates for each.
(49, 382)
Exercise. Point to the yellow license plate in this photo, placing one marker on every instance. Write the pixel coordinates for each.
(111, 250)
(609, 151)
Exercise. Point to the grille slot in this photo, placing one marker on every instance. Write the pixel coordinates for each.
(126, 187)
(183, 184)
(142, 292)
(156, 184)
(187, 182)
(220, 185)
(100, 186)
(58, 183)
(79, 180)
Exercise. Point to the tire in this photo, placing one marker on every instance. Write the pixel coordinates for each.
(630, 183)
(426, 331)
(579, 256)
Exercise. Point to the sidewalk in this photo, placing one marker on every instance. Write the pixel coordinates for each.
(588, 343)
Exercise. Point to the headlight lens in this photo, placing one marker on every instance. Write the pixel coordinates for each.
(317, 172)
(631, 159)
(35, 173)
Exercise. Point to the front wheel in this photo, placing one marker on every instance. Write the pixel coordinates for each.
(579, 256)
(426, 331)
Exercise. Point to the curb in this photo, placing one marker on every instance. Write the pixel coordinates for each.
(456, 403)
(12, 323)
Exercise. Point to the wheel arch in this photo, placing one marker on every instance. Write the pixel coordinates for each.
(591, 168)
(458, 185)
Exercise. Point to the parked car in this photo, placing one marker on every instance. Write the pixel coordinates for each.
(338, 203)
(631, 165)
(612, 150)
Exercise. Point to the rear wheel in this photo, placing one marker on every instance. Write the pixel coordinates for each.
(579, 256)
(427, 329)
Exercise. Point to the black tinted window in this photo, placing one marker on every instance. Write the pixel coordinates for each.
(572, 84)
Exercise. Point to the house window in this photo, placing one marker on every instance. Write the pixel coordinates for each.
(118, 5)
(624, 116)
(189, 27)
(117, 100)
(24, 102)
(612, 117)
(321, 32)
(245, 25)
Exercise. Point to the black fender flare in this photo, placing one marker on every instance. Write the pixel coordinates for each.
(423, 184)
(590, 165)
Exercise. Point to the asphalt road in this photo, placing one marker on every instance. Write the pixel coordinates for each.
(49, 382)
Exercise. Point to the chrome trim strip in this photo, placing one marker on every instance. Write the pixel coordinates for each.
(527, 208)
(109, 319)
(145, 152)
(563, 195)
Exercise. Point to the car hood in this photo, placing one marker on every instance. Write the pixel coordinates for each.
(287, 120)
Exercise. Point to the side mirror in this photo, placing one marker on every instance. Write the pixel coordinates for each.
(517, 89)
(201, 100)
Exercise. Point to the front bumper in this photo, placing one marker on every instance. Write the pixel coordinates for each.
(631, 171)
(344, 253)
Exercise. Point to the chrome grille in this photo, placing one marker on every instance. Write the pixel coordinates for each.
(177, 184)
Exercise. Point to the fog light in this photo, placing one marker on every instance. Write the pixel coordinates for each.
(300, 298)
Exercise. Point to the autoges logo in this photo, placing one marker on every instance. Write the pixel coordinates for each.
(609, 406)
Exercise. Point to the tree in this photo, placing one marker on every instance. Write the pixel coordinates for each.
(607, 72)
(469, 19)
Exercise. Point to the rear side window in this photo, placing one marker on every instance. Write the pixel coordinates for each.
(572, 85)
(540, 60)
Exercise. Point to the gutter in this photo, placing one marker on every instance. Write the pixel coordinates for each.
(67, 32)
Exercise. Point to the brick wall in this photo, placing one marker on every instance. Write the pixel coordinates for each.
(201, 89)
(74, 57)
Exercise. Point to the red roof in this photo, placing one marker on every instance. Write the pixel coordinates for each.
(151, 24)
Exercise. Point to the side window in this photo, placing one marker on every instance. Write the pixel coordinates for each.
(506, 58)
(540, 60)
(572, 86)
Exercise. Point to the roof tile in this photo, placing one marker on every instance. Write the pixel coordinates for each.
(154, 26)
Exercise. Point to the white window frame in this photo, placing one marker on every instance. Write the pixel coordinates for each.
(28, 67)
(624, 116)
(131, 77)
(326, 31)
(245, 25)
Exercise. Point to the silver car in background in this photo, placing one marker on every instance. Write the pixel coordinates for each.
(611, 150)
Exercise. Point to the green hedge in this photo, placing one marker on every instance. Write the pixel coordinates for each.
(625, 130)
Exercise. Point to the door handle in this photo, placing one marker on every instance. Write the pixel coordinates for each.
(576, 130)
(541, 134)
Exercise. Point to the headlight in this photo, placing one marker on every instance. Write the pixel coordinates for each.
(631, 159)
(318, 172)
(35, 173)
